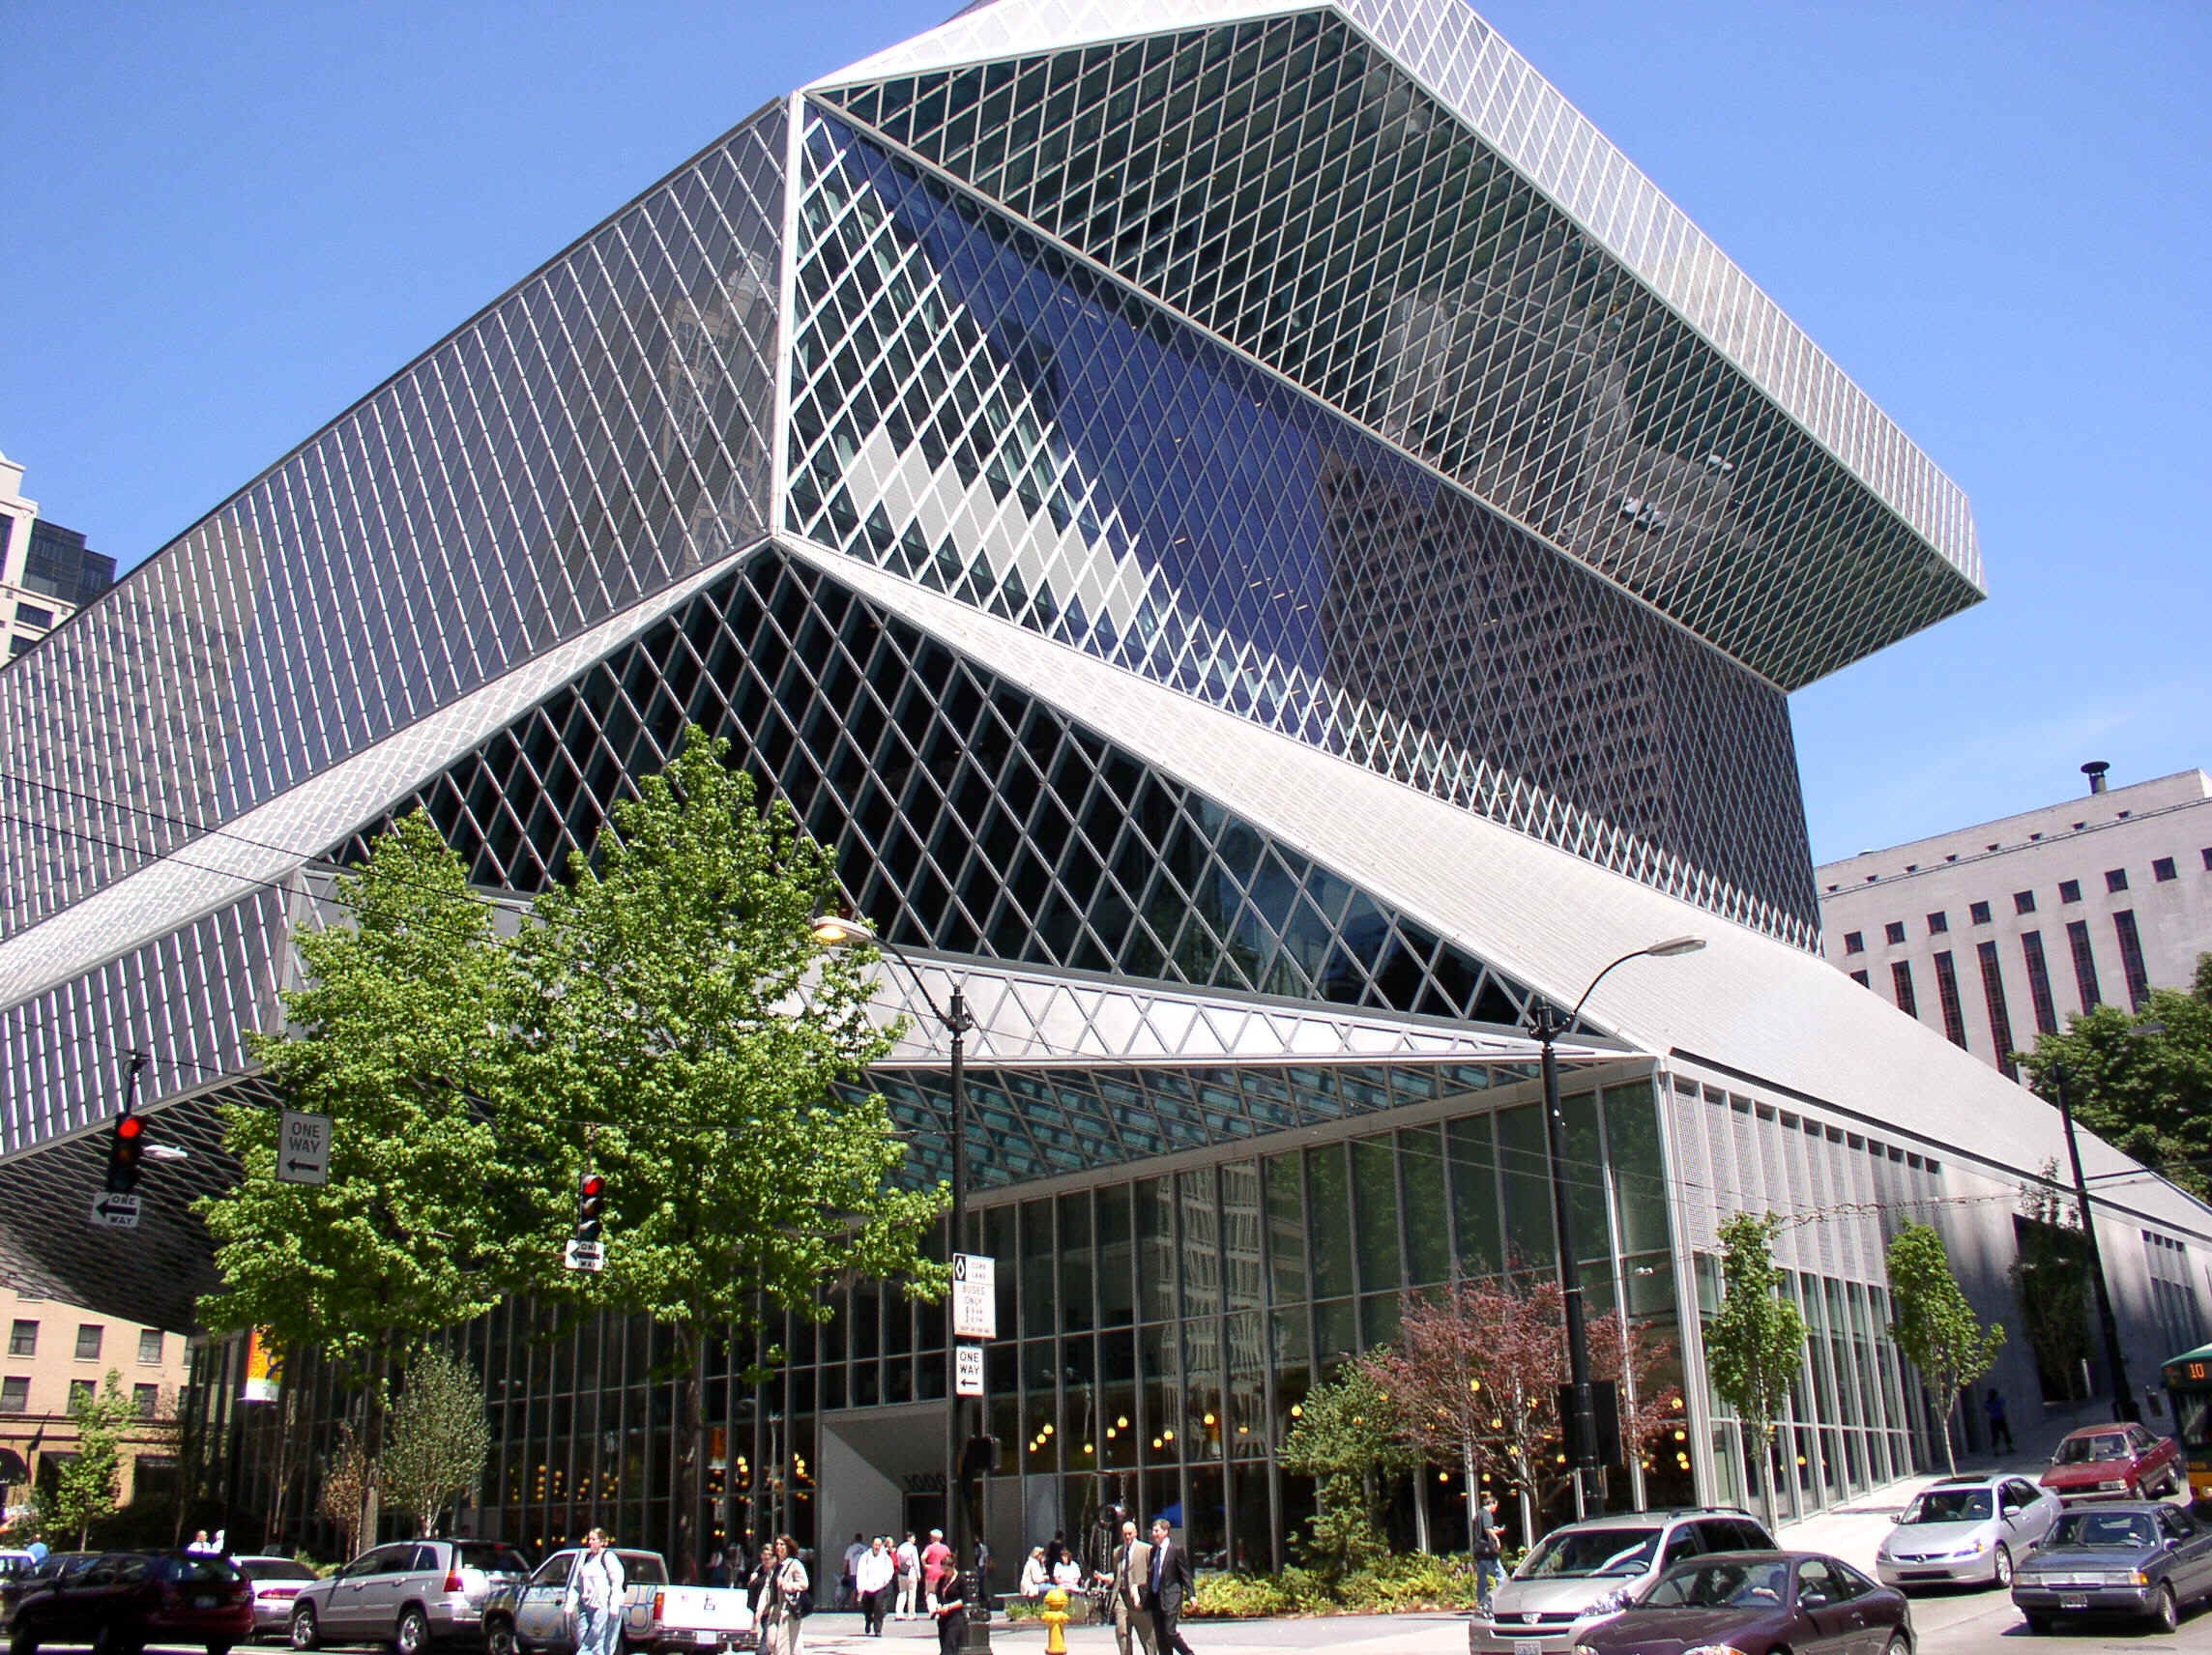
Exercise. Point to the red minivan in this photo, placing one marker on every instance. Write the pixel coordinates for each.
(119, 1600)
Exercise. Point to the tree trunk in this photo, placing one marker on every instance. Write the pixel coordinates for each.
(1419, 1481)
(690, 1432)
(1767, 1476)
(1943, 1425)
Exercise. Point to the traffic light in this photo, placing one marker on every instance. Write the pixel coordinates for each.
(126, 1147)
(591, 1207)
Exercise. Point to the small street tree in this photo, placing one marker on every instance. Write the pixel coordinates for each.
(436, 1441)
(1934, 1324)
(1755, 1340)
(90, 1485)
(2050, 1283)
(343, 1495)
(1349, 1434)
(681, 1034)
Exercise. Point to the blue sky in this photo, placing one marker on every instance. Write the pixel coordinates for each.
(227, 221)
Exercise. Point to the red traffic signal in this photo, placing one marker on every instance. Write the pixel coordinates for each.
(591, 1207)
(126, 1146)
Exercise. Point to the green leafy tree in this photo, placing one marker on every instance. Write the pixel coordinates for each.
(1755, 1340)
(436, 1441)
(396, 1038)
(2149, 1095)
(681, 1033)
(1351, 1435)
(2050, 1283)
(1934, 1324)
(90, 1485)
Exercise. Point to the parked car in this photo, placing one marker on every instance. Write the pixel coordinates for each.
(121, 1601)
(533, 1614)
(2115, 1462)
(14, 1563)
(277, 1582)
(14, 1584)
(1757, 1603)
(412, 1594)
(1584, 1573)
(1966, 1529)
(2146, 1560)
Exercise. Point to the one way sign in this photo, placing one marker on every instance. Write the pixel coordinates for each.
(114, 1211)
(304, 1148)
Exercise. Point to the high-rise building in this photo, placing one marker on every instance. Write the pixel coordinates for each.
(1272, 551)
(47, 572)
(2001, 931)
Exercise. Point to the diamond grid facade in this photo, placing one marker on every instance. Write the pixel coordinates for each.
(1178, 449)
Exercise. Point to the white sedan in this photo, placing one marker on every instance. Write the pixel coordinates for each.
(1969, 1529)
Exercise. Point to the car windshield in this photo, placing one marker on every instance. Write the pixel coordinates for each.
(1722, 1584)
(1572, 1552)
(275, 1569)
(2085, 1450)
(2129, 1528)
(1950, 1505)
(491, 1560)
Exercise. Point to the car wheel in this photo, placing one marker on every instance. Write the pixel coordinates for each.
(412, 1636)
(24, 1642)
(499, 1638)
(219, 1649)
(1899, 1645)
(2166, 1616)
(2039, 1626)
(306, 1634)
(2001, 1569)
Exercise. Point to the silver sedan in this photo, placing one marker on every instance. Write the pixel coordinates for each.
(1971, 1529)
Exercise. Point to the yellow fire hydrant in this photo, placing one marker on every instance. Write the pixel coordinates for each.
(1054, 1618)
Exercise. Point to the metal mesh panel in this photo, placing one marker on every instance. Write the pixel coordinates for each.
(965, 815)
(977, 412)
(595, 434)
(1284, 185)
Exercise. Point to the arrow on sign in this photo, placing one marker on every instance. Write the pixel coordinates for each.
(115, 1212)
(303, 1166)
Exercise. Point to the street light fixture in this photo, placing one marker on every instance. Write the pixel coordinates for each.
(1547, 1025)
(836, 931)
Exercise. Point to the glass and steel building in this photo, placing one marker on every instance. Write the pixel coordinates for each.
(1270, 548)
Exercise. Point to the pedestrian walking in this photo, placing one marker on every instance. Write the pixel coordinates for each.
(1489, 1553)
(594, 1598)
(1132, 1572)
(948, 1603)
(2000, 1428)
(909, 1578)
(936, 1567)
(1171, 1586)
(848, 1588)
(789, 1599)
(872, 1577)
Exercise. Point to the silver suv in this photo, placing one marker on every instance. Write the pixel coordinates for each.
(1585, 1572)
(410, 1594)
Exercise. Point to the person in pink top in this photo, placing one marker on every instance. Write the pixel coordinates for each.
(936, 1564)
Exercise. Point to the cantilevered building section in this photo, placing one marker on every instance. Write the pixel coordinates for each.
(1271, 550)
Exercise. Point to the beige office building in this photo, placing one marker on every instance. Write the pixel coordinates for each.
(1996, 932)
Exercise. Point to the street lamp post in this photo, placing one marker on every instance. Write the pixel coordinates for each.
(1547, 1025)
(834, 931)
(2115, 1362)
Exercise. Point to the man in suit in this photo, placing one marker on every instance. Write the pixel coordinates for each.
(1171, 1585)
(1132, 1578)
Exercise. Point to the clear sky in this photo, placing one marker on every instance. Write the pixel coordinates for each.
(225, 221)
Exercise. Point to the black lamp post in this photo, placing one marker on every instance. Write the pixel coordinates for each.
(1547, 1025)
(834, 931)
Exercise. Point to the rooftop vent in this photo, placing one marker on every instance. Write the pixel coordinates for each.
(2095, 770)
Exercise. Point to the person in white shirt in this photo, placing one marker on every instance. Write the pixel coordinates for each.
(872, 1580)
(909, 1578)
(596, 1597)
(1069, 1573)
(1034, 1576)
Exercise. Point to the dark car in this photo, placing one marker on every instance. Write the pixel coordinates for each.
(2115, 1462)
(121, 1601)
(2145, 1559)
(1756, 1603)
